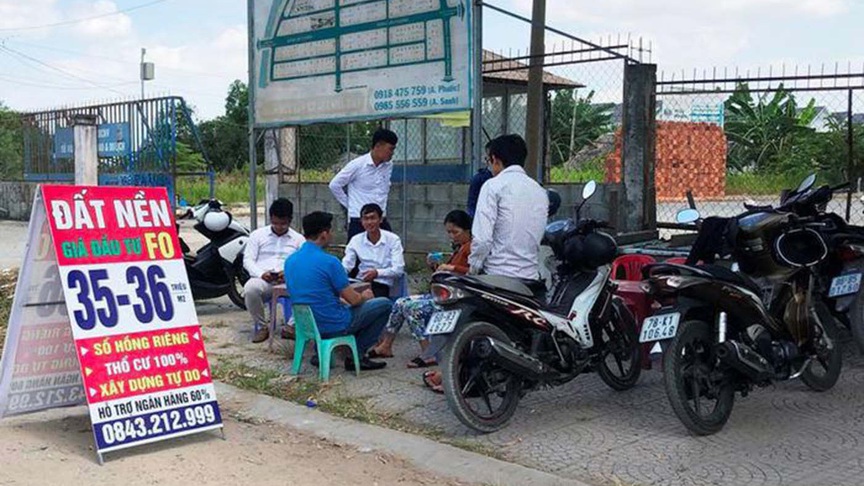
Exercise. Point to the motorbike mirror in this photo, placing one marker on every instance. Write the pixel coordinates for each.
(686, 216)
(806, 184)
(589, 189)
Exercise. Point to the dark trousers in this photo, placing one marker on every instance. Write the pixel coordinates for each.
(367, 323)
(380, 290)
(355, 227)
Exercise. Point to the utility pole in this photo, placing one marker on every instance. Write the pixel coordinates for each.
(536, 102)
(148, 71)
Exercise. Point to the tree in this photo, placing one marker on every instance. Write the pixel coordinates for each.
(11, 145)
(576, 123)
(768, 134)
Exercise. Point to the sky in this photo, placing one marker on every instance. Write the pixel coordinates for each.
(56, 53)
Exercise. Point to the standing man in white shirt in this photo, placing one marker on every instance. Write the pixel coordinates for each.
(366, 180)
(379, 253)
(264, 259)
(511, 214)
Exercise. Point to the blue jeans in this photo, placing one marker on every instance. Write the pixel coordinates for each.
(367, 323)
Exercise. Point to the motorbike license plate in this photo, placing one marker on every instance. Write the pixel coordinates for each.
(443, 322)
(845, 285)
(659, 327)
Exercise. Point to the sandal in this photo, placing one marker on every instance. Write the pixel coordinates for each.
(375, 354)
(419, 362)
(436, 388)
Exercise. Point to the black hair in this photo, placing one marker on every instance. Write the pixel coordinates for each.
(510, 149)
(282, 208)
(384, 135)
(316, 223)
(459, 219)
(371, 208)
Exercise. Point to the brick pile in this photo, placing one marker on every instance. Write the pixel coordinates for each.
(689, 156)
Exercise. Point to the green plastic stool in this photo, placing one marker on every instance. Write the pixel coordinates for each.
(306, 330)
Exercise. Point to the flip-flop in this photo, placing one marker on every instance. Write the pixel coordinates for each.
(374, 354)
(439, 388)
(419, 362)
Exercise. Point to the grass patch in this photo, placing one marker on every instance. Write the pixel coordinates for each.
(761, 184)
(8, 279)
(233, 187)
(591, 170)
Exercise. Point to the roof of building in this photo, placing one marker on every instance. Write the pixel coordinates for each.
(508, 71)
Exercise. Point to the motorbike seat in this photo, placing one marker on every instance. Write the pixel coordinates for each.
(735, 278)
(533, 289)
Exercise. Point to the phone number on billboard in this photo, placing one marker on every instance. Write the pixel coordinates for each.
(401, 104)
(158, 424)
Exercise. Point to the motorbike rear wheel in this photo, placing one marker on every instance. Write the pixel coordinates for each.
(482, 395)
(237, 278)
(620, 345)
(824, 370)
(690, 376)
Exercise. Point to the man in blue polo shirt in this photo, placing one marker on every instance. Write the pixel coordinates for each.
(317, 279)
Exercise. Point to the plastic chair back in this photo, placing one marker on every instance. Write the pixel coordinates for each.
(629, 267)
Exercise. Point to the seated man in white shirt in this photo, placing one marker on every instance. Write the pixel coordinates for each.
(511, 214)
(378, 251)
(264, 259)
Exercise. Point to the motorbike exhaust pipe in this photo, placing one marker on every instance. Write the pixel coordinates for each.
(744, 360)
(513, 360)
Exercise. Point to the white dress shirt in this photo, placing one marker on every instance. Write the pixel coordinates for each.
(365, 183)
(385, 256)
(508, 225)
(266, 252)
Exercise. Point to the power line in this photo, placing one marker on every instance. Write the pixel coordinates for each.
(119, 61)
(29, 82)
(54, 68)
(84, 19)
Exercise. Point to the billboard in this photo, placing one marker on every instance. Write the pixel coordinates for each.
(342, 60)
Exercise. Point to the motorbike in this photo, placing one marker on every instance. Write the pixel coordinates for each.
(839, 275)
(504, 338)
(724, 332)
(216, 269)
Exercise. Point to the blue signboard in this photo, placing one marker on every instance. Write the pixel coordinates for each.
(113, 140)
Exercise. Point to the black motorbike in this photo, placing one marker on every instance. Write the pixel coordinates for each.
(839, 274)
(724, 332)
(216, 269)
(504, 337)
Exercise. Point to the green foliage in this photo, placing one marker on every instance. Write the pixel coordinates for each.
(189, 160)
(11, 145)
(768, 133)
(594, 170)
(576, 123)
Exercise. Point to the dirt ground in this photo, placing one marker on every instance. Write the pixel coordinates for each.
(56, 448)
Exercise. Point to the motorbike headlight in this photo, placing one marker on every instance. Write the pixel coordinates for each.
(445, 294)
(674, 282)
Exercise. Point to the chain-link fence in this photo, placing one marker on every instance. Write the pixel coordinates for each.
(733, 137)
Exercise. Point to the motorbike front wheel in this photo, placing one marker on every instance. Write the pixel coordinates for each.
(621, 357)
(237, 278)
(700, 395)
(482, 395)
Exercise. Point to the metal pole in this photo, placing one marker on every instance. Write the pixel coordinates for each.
(851, 155)
(143, 52)
(534, 119)
(477, 111)
(253, 193)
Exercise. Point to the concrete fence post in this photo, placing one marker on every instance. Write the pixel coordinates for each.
(84, 133)
(639, 135)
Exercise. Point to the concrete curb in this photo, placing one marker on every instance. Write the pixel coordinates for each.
(441, 459)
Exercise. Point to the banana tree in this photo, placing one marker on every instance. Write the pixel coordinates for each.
(763, 132)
